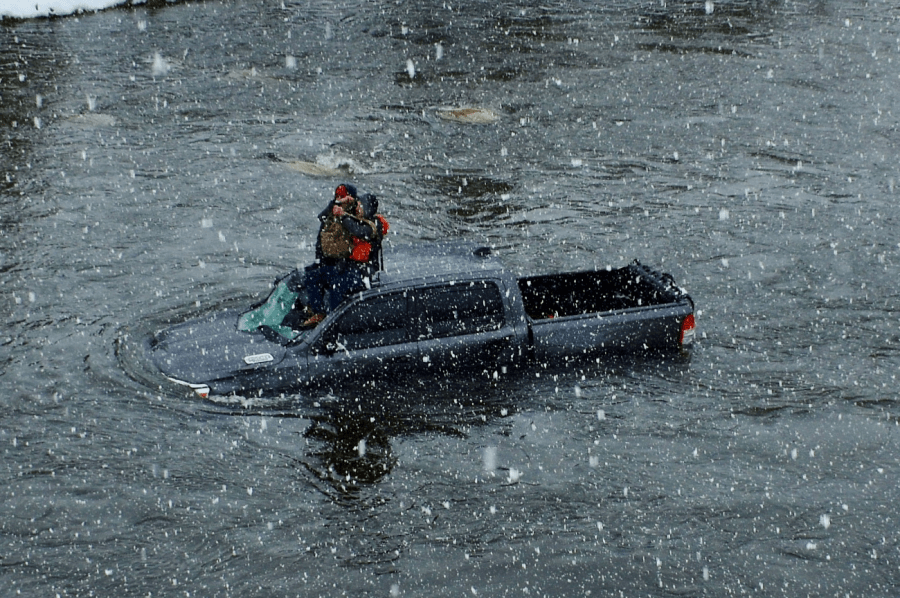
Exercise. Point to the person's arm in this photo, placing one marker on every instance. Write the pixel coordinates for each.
(324, 214)
(359, 228)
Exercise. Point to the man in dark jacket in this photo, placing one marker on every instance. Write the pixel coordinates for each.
(335, 275)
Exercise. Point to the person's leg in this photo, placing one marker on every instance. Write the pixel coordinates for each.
(296, 283)
(344, 283)
(318, 279)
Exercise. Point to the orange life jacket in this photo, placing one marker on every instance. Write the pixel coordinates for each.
(360, 249)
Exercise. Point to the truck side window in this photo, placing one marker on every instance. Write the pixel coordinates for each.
(374, 322)
(451, 310)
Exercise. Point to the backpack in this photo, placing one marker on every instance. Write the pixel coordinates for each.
(335, 239)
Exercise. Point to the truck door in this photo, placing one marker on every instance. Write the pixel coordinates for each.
(369, 342)
(461, 326)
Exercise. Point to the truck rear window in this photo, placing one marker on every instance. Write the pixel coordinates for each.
(451, 310)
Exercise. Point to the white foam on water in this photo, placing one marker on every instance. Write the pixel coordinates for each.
(28, 9)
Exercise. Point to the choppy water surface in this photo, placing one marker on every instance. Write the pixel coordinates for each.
(163, 162)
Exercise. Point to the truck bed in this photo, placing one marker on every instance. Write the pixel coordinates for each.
(576, 293)
(630, 308)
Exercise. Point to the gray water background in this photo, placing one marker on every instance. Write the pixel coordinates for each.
(748, 148)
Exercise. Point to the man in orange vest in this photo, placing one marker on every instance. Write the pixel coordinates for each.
(368, 251)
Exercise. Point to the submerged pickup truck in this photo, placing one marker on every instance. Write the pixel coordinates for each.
(434, 309)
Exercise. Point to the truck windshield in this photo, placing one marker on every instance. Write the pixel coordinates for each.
(275, 313)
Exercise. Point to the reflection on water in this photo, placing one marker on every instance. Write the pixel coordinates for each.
(357, 450)
(354, 432)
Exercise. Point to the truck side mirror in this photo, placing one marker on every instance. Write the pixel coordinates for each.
(326, 345)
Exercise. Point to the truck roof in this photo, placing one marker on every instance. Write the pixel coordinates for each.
(422, 261)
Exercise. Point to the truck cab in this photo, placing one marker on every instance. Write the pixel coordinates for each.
(423, 314)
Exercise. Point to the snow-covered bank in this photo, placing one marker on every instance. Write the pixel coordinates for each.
(26, 9)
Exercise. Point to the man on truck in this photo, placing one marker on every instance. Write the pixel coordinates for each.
(349, 239)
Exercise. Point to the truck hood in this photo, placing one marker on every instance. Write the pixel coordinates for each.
(211, 348)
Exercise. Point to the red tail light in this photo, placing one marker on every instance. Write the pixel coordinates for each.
(687, 331)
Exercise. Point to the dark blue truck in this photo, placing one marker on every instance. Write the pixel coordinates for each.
(434, 309)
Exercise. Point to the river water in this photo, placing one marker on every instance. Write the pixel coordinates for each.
(165, 161)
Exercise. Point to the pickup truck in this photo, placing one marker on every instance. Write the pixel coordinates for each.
(434, 309)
